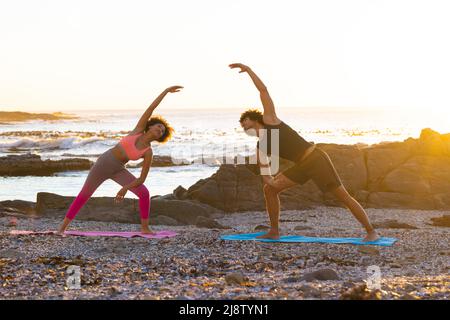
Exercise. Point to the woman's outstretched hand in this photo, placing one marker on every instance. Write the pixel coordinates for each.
(174, 89)
(120, 195)
(243, 67)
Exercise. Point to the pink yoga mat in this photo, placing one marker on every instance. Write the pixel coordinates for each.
(125, 234)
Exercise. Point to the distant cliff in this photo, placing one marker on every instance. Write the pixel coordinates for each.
(11, 116)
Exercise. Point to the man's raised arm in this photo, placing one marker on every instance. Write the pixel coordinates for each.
(270, 116)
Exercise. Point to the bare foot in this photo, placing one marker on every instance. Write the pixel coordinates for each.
(60, 233)
(274, 235)
(371, 236)
(147, 231)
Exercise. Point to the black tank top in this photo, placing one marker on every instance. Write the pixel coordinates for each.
(291, 145)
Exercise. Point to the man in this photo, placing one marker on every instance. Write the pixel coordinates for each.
(310, 161)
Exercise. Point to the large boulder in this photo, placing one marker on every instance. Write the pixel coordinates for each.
(234, 188)
(419, 175)
(104, 209)
(385, 157)
(400, 201)
(433, 143)
(350, 164)
(20, 206)
(412, 174)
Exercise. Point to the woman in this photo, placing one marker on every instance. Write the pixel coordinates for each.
(111, 164)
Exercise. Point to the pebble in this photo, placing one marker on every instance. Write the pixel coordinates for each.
(195, 264)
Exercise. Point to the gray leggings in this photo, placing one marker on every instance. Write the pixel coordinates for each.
(106, 167)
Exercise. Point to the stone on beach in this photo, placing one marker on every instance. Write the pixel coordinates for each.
(235, 278)
(443, 221)
(321, 275)
(203, 222)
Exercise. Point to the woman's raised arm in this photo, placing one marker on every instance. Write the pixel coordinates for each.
(140, 126)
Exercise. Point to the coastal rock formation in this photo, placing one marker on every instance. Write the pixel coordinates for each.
(104, 209)
(161, 161)
(31, 164)
(412, 174)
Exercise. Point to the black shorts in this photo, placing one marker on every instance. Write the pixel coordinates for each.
(318, 167)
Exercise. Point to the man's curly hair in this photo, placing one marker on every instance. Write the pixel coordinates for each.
(252, 114)
(168, 129)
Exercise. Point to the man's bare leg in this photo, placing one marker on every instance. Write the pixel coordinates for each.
(273, 210)
(271, 193)
(358, 212)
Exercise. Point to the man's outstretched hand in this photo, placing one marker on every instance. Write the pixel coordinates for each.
(174, 89)
(243, 67)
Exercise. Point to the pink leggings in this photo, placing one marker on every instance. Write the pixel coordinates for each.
(106, 167)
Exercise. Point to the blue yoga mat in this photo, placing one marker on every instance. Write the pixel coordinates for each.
(358, 241)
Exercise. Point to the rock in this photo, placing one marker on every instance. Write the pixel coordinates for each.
(180, 193)
(236, 189)
(433, 143)
(321, 275)
(11, 254)
(261, 227)
(104, 209)
(114, 291)
(309, 291)
(302, 228)
(18, 206)
(443, 221)
(183, 298)
(393, 224)
(360, 292)
(203, 222)
(162, 161)
(406, 174)
(291, 279)
(235, 278)
(165, 221)
(31, 164)
(369, 250)
(409, 296)
(395, 265)
(399, 200)
(350, 164)
(385, 157)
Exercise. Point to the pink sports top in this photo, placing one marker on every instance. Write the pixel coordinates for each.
(128, 144)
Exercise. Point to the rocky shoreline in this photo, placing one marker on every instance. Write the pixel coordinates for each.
(32, 165)
(197, 265)
(403, 185)
(411, 174)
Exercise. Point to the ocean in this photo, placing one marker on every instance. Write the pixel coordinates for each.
(198, 132)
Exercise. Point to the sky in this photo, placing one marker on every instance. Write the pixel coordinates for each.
(66, 55)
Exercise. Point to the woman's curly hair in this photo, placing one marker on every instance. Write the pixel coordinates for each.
(168, 129)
